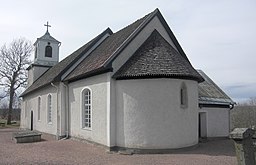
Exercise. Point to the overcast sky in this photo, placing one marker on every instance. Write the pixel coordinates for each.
(218, 36)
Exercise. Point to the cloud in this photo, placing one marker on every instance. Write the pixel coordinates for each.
(241, 92)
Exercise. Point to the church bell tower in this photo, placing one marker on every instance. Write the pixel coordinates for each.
(46, 56)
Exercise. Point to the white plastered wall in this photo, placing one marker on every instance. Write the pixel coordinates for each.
(149, 115)
(41, 59)
(99, 93)
(23, 120)
(30, 103)
(217, 121)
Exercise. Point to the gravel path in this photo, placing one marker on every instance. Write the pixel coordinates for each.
(50, 151)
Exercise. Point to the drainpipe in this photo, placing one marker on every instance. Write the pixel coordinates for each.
(67, 111)
(57, 134)
(231, 106)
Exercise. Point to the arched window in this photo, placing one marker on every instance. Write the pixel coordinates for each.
(86, 108)
(49, 108)
(39, 109)
(35, 52)
(26, 109)
(48, 50)
(183, 96)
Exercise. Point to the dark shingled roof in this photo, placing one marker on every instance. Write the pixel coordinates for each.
(210, 93)
(100, 59)
(104, 52)
(157, 58)
(54, 73)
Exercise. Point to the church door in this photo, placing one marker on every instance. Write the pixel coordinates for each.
(31, 126)
(202, 125)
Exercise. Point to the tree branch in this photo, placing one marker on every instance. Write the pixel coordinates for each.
(13, 59)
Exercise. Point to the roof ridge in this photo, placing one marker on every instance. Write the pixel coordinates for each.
(93, 42)
(208, 79)
(103, 56)
(146, 18)
(106, 30)
(82, 56)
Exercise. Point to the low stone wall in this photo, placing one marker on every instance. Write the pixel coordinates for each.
(245, 145)
(26, 136)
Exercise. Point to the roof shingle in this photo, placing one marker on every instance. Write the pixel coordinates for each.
(210, 93)
(157, 58)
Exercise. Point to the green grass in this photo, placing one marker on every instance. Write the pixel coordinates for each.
(13, 125)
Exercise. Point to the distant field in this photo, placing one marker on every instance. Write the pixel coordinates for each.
(243, 117)
(13, 125)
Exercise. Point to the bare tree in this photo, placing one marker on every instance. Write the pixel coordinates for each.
(2, 95)
(14, 59)
(249, 102)
(4, 108)
(244, 114)
(252, 101)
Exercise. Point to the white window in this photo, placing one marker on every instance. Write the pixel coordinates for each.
(48, 50)
(86, 108)
(49, 108)
(25, 109)
(183, 96)
(39, 109)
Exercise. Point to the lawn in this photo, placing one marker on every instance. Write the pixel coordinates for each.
(15, 124)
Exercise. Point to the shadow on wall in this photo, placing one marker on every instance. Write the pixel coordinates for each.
(243, 117)
(15, 114)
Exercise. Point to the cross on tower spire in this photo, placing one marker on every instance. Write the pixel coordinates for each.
(47, 25)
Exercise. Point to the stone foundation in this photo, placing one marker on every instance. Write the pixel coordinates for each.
(26, 137)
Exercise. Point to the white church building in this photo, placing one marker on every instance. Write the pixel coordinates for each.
(132, 89)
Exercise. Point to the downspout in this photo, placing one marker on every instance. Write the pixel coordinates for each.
(67, 112)
(57, 134)
(231, 106)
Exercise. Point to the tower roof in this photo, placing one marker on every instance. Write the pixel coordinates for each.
(47, 37)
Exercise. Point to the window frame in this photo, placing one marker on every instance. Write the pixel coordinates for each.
(183, 96)
(48, 51)
(49, 108)
(39, 104)
(25, 109)
(84, 123)
(36, 52)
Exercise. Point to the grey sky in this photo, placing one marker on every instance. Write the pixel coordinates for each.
(218, 36)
